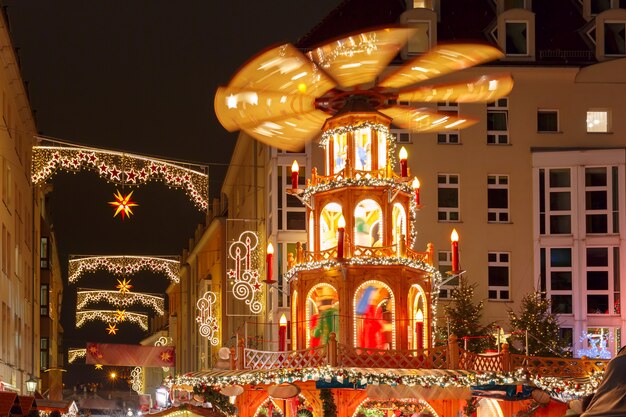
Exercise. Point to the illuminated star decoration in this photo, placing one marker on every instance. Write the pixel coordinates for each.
(123, 204)
(123, 286)
(166, 356)
(112, 329)
(98, 366)
(120, 315)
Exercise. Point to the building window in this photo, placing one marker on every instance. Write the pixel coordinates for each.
(498, 198)
(597, 121)
(448, 197)
(448, 109)
(402, 135)
(599, 6)
(555, 201)
(45, 253)
(547, 121)
(514, 4)
(286, 260)
(498, 272)
(291, 213)
(449, 282)
(497, 122)
(602, 284)
(557, 267)
(615, 38)
(600, 200)
(516, 38)
(44, 295)
(420, 41)
(44, 355)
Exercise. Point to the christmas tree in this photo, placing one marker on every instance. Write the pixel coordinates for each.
(542, 326)
(464, 318)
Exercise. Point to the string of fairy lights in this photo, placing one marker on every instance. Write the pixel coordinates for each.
(118, 299)
(121, 168)
(111, 317)
(124, 265)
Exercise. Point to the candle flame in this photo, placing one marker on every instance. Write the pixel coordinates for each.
(419, 316)
(270, 248)
(283, 320)
(454, 236)
(403, 154)
(295, 167)
(416, 183)
(341, 222)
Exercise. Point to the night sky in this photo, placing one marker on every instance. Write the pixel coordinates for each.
(137, 76)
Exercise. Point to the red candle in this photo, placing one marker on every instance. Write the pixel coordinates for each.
(268, 259)
(416, 187)
(294, 175)
(419, 329)
(404, 170)
(282, 333)
(341, 230)
(454, 238)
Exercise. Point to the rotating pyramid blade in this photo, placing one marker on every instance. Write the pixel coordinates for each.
(484, 89)
(426, 120)
(236, 108)
(283, 69)
(359, 59)
(440, 61)
(291, 133)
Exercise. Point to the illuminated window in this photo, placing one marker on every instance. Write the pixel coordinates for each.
(498, 275)
(340, 151)
(498, 122)
(322, 314)
(399, 223)
(448, 197)
(329, 218)
(547, 121)
(44, 295)
(368, 224)
(374, 316)
(597, 121)
(363, 147)
(498, 198)
(44, 355)
(516, 38)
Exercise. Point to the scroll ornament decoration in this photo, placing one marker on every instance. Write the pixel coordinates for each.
(208, 325)
(121, 168)
(136, 380)
(245, 255)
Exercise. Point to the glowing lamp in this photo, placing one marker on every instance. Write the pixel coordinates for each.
(268, 259)
(403, 163)
(294, 175)
(416, 186)
(454, 238)
(31, 384)
(341, 230)
(282, 333)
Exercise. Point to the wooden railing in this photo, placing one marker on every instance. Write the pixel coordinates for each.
(372, 252)
(258, 359)
(318, 256)
(408, 359)
(443, 357)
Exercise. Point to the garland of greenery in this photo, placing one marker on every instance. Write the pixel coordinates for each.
(329, 408)
(471, 405)
(213, 396)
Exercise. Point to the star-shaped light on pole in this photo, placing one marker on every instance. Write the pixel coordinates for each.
(123, 204)
(112, 329)
(123, 286)
(98, 366)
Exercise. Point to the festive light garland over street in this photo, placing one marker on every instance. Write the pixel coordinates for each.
(117, 299)
(120, 168)
(124, 265)
(74, 354)
(110, 316)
